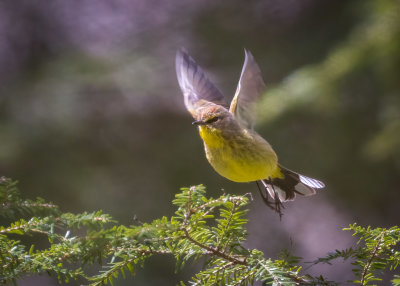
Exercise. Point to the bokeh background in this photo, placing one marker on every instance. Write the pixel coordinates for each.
(91, 115)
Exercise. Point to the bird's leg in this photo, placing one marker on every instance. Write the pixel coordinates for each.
(264, 197)
(277, 204)
(270, 204)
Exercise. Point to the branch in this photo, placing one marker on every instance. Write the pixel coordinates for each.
(215, 251)
(372, 257)
(276, 279)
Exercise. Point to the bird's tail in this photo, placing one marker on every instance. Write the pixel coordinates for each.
(285, 188)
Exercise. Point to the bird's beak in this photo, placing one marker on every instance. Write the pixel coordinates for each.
(198, 122)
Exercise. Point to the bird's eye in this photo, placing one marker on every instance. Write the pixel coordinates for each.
(212, 120)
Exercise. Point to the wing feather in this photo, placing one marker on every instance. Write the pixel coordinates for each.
(251, 85)
(197, 89)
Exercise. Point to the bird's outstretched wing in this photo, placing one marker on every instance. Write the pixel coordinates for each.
(251, 86)
(196, 87)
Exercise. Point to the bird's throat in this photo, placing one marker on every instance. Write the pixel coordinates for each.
(212, 137)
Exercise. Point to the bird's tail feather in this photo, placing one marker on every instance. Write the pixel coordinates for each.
(290, 184)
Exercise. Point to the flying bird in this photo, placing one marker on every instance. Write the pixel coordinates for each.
(232, 147)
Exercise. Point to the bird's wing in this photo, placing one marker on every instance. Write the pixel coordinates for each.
(196, 87)
(250, 87)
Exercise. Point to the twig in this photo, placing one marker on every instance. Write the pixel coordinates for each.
(214, 250)
(227, 226)
(276, 279)
(373, 255)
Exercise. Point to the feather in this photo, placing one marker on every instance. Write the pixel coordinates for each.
(251, 85)
(290, 184)
(197, 89)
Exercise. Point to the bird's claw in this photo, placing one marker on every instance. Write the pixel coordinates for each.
(275, 205)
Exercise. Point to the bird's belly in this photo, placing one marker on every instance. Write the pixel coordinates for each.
(242, 163)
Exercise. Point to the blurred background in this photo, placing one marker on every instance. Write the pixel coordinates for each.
(91, 115)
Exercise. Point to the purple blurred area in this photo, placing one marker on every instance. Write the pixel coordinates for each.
(91, 115)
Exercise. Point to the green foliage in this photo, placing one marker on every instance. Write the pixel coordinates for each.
(13, 206)
(206, 229)
(376, 252)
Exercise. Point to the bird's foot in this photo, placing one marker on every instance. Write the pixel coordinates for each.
(276, 204)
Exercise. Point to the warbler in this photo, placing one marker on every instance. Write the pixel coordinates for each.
(231, 145)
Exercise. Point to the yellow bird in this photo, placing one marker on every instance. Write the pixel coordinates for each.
(232, 147)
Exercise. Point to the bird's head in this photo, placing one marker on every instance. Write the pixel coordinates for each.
(213, 116)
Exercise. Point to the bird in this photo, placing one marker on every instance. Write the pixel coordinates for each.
(232, 147)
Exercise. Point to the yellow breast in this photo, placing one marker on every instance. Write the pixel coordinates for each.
(242, 157)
